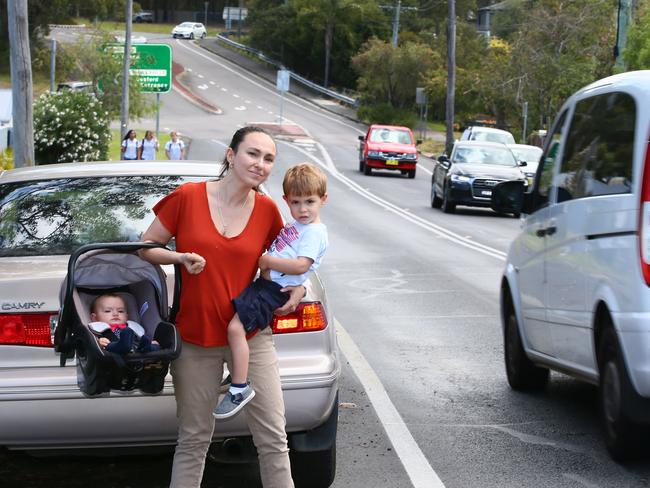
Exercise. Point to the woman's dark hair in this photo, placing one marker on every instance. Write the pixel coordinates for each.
(237, 138)
(126, 135)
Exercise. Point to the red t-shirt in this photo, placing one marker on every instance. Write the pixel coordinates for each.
(231, 262)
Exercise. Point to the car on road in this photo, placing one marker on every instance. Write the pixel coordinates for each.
(468, 176)
(85, 86)
(388, 147)
(189, 30)
(46, 212)
(575, 292)
(530, 154)
(487, 134)
(142, 17)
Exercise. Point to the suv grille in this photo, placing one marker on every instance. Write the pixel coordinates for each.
(481, 185)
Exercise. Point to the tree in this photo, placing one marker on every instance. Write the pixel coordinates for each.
(388, 77)
(637, 50)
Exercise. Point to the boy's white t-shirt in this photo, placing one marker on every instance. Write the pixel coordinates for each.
(299, 240)
(131, 148)
(174, 149)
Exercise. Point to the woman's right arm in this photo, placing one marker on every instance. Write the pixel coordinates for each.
(157, 233)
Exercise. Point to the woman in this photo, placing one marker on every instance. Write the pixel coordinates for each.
(130, 146)
(221, 229)
(149, 147)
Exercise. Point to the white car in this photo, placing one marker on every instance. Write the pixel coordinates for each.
(487, 134)
(189, 30)
(529, 154)
(575, 293)
(46, 212)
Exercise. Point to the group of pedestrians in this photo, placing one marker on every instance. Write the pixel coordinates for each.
(146, 149)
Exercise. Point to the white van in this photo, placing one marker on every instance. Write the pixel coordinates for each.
(487, 134)
(575, 293)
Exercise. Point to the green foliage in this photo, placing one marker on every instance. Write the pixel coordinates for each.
(7, 159)
(391, 75)
(384, 113)
(70, 126)
(637, 51)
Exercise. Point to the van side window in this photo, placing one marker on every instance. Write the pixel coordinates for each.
(548, 159)
(599, 148)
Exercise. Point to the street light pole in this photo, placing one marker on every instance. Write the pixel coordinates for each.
(124, 119)
(205, 16)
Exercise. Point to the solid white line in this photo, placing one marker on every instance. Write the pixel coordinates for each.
(412, 458)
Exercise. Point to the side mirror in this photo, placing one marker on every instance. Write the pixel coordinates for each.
(523, 163)
(511, 197)
(362, 138)
(443, 157)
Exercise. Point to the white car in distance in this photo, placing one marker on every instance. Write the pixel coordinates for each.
(189, 30)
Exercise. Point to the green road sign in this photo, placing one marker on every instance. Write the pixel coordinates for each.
(151, 63)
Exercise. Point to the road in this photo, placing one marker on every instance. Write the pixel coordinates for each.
(415, 295)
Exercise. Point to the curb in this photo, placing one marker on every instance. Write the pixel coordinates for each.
(181, 88)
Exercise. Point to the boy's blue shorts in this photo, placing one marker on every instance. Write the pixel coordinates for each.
(255, 305)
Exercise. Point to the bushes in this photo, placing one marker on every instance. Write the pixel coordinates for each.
(384, 113)
(70, 126)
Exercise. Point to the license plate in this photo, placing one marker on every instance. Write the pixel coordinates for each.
(486, 193)
(392, 162)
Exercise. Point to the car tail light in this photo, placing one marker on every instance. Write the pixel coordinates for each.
(644, 219)
(308, 317)
(28, 329)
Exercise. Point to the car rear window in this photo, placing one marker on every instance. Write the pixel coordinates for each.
(51, 217)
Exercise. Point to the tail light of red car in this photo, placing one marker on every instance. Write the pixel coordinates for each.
(27, 329)
(644, 219)
(308, 317)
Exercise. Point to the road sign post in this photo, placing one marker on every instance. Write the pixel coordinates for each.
(282, 84)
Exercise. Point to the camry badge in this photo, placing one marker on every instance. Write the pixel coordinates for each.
(22, 305)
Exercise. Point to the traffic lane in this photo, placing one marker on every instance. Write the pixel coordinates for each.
(424, 312)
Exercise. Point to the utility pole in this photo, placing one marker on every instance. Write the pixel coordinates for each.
(396, 11)
(21, 84)
(124, 119)
(451, 74)
(53, 65)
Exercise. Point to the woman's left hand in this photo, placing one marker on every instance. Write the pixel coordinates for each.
(296, 293)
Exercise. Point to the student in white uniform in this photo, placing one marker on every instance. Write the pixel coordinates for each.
(149, 146)
(175, 148)
(130, 146)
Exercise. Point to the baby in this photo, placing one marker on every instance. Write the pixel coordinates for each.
(116, 332)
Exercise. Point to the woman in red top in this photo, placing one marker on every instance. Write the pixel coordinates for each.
(222, 227)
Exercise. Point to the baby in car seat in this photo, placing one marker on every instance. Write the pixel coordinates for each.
(116, 333)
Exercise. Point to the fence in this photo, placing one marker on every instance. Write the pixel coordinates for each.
(304, 81)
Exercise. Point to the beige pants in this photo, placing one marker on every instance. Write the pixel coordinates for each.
(197, 374)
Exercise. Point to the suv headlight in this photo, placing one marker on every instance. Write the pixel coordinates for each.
(460, 178)
(411, 156)
(374, 154)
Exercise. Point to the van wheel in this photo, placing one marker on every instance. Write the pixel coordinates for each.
(621, 434)
(411, 173)
(522, 374)
(313, 469)
(447, 206)
(192, 35)
(367, 170)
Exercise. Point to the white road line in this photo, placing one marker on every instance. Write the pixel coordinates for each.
(328, 164)
(412, 458)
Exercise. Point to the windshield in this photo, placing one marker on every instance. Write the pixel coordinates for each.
(484, 155)
(186, 24)
(40, 218)
(528, 154)
(391, 135)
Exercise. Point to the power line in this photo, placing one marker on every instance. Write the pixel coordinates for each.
(396, 9)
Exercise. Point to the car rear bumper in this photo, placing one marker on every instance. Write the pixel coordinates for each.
(398, 165)
(43, 409)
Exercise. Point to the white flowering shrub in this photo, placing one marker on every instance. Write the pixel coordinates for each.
(70, 126)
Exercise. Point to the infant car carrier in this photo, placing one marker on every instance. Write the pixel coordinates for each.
(97, 269)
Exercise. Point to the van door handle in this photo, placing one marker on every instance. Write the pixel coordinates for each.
(551, 230)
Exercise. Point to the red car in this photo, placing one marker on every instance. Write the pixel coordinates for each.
(388, 147)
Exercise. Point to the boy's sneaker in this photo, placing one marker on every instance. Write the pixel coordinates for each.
(232, 404)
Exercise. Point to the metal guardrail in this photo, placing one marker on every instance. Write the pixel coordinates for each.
(321, 89)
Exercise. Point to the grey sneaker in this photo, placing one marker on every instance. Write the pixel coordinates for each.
(232, 404)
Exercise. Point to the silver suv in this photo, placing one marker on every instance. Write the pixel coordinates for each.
(46, 212)
(575, 294)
